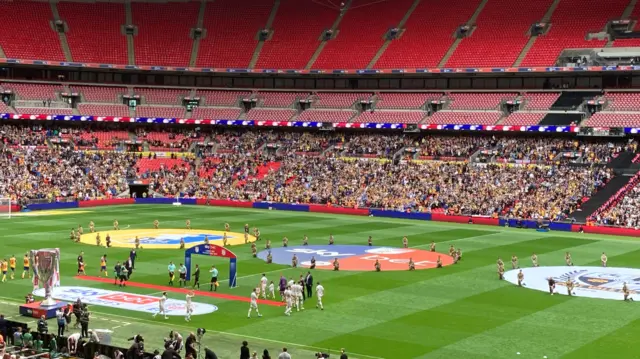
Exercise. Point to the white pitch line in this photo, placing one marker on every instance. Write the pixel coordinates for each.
(303, 346)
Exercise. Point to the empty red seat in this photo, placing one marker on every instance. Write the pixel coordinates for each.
(391, 116)
(464, 118)
(314, 115)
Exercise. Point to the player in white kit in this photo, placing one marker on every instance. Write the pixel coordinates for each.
(299, 301)
(161, 303)
(189, 306)
(319, 295)
(287, 297)
(254, 303)
(272, 293)
(263, 286)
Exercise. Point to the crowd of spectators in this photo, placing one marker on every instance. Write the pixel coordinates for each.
(622, 210)
(23, 135)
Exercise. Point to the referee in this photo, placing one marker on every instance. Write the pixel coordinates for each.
(214, 279)
(196, 277)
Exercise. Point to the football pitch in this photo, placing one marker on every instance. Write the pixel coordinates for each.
(458, 311)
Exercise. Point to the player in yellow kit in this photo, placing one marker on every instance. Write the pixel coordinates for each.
(103, 265)
(5, 267)
(188, 224)
(26, 266)
(12, 266)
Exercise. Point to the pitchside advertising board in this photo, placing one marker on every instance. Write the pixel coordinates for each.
(357, 258)
(592, 282)
(127, 301)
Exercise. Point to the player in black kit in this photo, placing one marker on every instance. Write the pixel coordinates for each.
(196, 277)
(552, 285)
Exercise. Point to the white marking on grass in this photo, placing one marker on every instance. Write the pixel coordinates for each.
(139, 320)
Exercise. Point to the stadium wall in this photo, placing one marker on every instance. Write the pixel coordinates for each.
(438, 217)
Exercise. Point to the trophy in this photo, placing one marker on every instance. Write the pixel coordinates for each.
(46, 264)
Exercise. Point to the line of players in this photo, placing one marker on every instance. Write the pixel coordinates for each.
(292, 293)
(569, 284)
(7, 266)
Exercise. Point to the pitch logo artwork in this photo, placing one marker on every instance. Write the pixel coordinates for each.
(357, 258)
(169, 239)
(592, 282)
(122, 300)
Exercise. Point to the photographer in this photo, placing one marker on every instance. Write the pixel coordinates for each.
(136, 350)
(170, 353)
(321, 355)
(209, 354)
(84, 322)
(190, 346)
(43, 327)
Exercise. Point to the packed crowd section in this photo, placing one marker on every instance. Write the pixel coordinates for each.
(622, 209)
(351, 168)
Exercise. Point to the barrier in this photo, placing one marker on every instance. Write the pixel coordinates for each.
(615, 231)
(281, 206)
(223, 203)
(164, 200)
(52, 205)
(106, 202)
(398, 214)
(338, 210)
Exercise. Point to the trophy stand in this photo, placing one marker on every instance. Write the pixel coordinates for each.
(46, 263)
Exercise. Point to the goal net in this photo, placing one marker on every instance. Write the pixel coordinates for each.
(5, 208)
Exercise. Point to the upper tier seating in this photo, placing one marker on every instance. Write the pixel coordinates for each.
(402, 100)
(44, 111)
(612, 119)
(326, 115)
(339, 99)
(160, 111)
(94, 31)
(99, 93)
(540, 100)
(478, 101)
(32, 91)
(427, 37)
(623, 101)
(103, 110)
(268, 114)
(464, 118)
(523, 119)
(635, 15)
(26, 33)
(500, 35)
(163, 32)
(162, 96)
(232, 27)
(391, 116)
(281, 99)
(221, 98)
(363, 28)
(571, 21)
(296, 32)
(216, 113)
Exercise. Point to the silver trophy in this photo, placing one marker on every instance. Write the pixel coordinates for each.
(45, 265)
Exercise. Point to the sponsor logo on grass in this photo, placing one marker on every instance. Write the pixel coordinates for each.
(122, 300)
(592, 282)
(175, 238)
(163, 238)
(357, 258)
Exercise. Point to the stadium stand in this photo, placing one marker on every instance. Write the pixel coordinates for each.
(612, 119)
(391, 116)
(539, 100)
(44, 111)
(401, 100)
(297, 28)
(462, 118)
(160, 111)
(33, 91)
(478, 101)
(572, 20)
(264, 114)
(361, 29)
(623, 101)
(216, 113)
(221, 98)
(500, 35)
(99, 93)
(162, 96)
(94, 31)
(163, 32)
(635, 14)
(622, 209)
(327, 115)
(21, 21)
(523, 118)
(4, 108)
(103, 110)
(281, 99)
(232, 27)
(338, 99)
(427, 37)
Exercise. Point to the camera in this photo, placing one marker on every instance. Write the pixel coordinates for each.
(200, 332)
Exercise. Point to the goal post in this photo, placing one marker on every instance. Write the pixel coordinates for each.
(5, 207)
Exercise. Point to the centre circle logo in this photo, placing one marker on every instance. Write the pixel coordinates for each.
(592, 282)
(357, 258)
(163, 238)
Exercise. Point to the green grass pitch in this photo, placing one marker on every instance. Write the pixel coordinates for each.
(460, 311)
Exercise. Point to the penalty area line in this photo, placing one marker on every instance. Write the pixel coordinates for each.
(188, 329)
